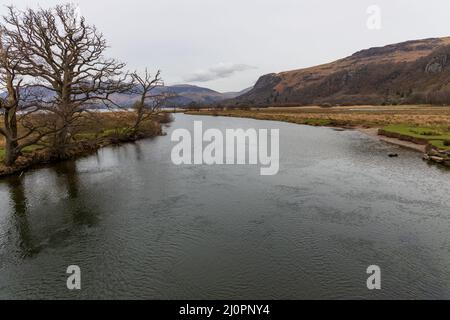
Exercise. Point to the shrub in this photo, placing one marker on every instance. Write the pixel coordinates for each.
(165, 118)
(430, 133)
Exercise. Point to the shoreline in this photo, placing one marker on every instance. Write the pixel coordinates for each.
(106, 129)
(430, 153)
(373, 132)
(369, 131)
(76, 151)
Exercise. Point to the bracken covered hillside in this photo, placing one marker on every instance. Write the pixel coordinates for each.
(409, 72)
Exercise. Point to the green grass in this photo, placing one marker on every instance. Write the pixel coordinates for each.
(2, 154)
(87, 136)
(31, 148)
(440, 144)
(317, 122)
(117, 131)
(436, 135)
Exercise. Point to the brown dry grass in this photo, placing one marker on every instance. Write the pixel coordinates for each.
(95, 123)
(355, 116)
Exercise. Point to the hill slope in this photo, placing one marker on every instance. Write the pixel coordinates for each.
(409, 72)
(184, 95)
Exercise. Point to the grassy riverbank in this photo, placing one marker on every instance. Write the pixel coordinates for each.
(355, 116)
(435, 135)
(92, 132)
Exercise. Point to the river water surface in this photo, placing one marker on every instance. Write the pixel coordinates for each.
(141, 228)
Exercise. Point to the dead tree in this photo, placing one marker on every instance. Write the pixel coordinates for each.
(9, 102)
(65, 56)
(150, 102)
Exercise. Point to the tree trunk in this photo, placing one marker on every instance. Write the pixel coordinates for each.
(11, 153)
(137, 124)
(11, 144)
(61, 141)
(139, 113)
(63, 136)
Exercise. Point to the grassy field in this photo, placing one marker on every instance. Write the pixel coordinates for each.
(431, 123)
(370, 116)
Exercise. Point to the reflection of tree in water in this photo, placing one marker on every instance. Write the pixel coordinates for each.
(76, 206)
(138, 151)
(20, 215)
(68, 174)
(75, 210)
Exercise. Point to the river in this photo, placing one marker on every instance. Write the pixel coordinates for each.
(140, 227)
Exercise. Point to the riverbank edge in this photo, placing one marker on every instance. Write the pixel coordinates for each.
(430, 153)
(405, 143)
(75, 151)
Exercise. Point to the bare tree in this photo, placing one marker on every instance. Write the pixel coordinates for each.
(16, 106)
(150, 102)
(9, 102)
(65, 57)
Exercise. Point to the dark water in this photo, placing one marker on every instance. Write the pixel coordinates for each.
(140, 227)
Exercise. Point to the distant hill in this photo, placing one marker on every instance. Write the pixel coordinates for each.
(184, 95)
(232, 95)
(409, 72)
(187, 94)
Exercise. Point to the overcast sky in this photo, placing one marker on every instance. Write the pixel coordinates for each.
(227, 44)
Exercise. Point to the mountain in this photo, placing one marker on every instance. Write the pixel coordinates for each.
(409, 72)
(232, 95)
(185, 95)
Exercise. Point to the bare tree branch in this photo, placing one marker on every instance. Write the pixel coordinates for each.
(65, 56)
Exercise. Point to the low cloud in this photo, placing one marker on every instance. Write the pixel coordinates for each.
(219, 71)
